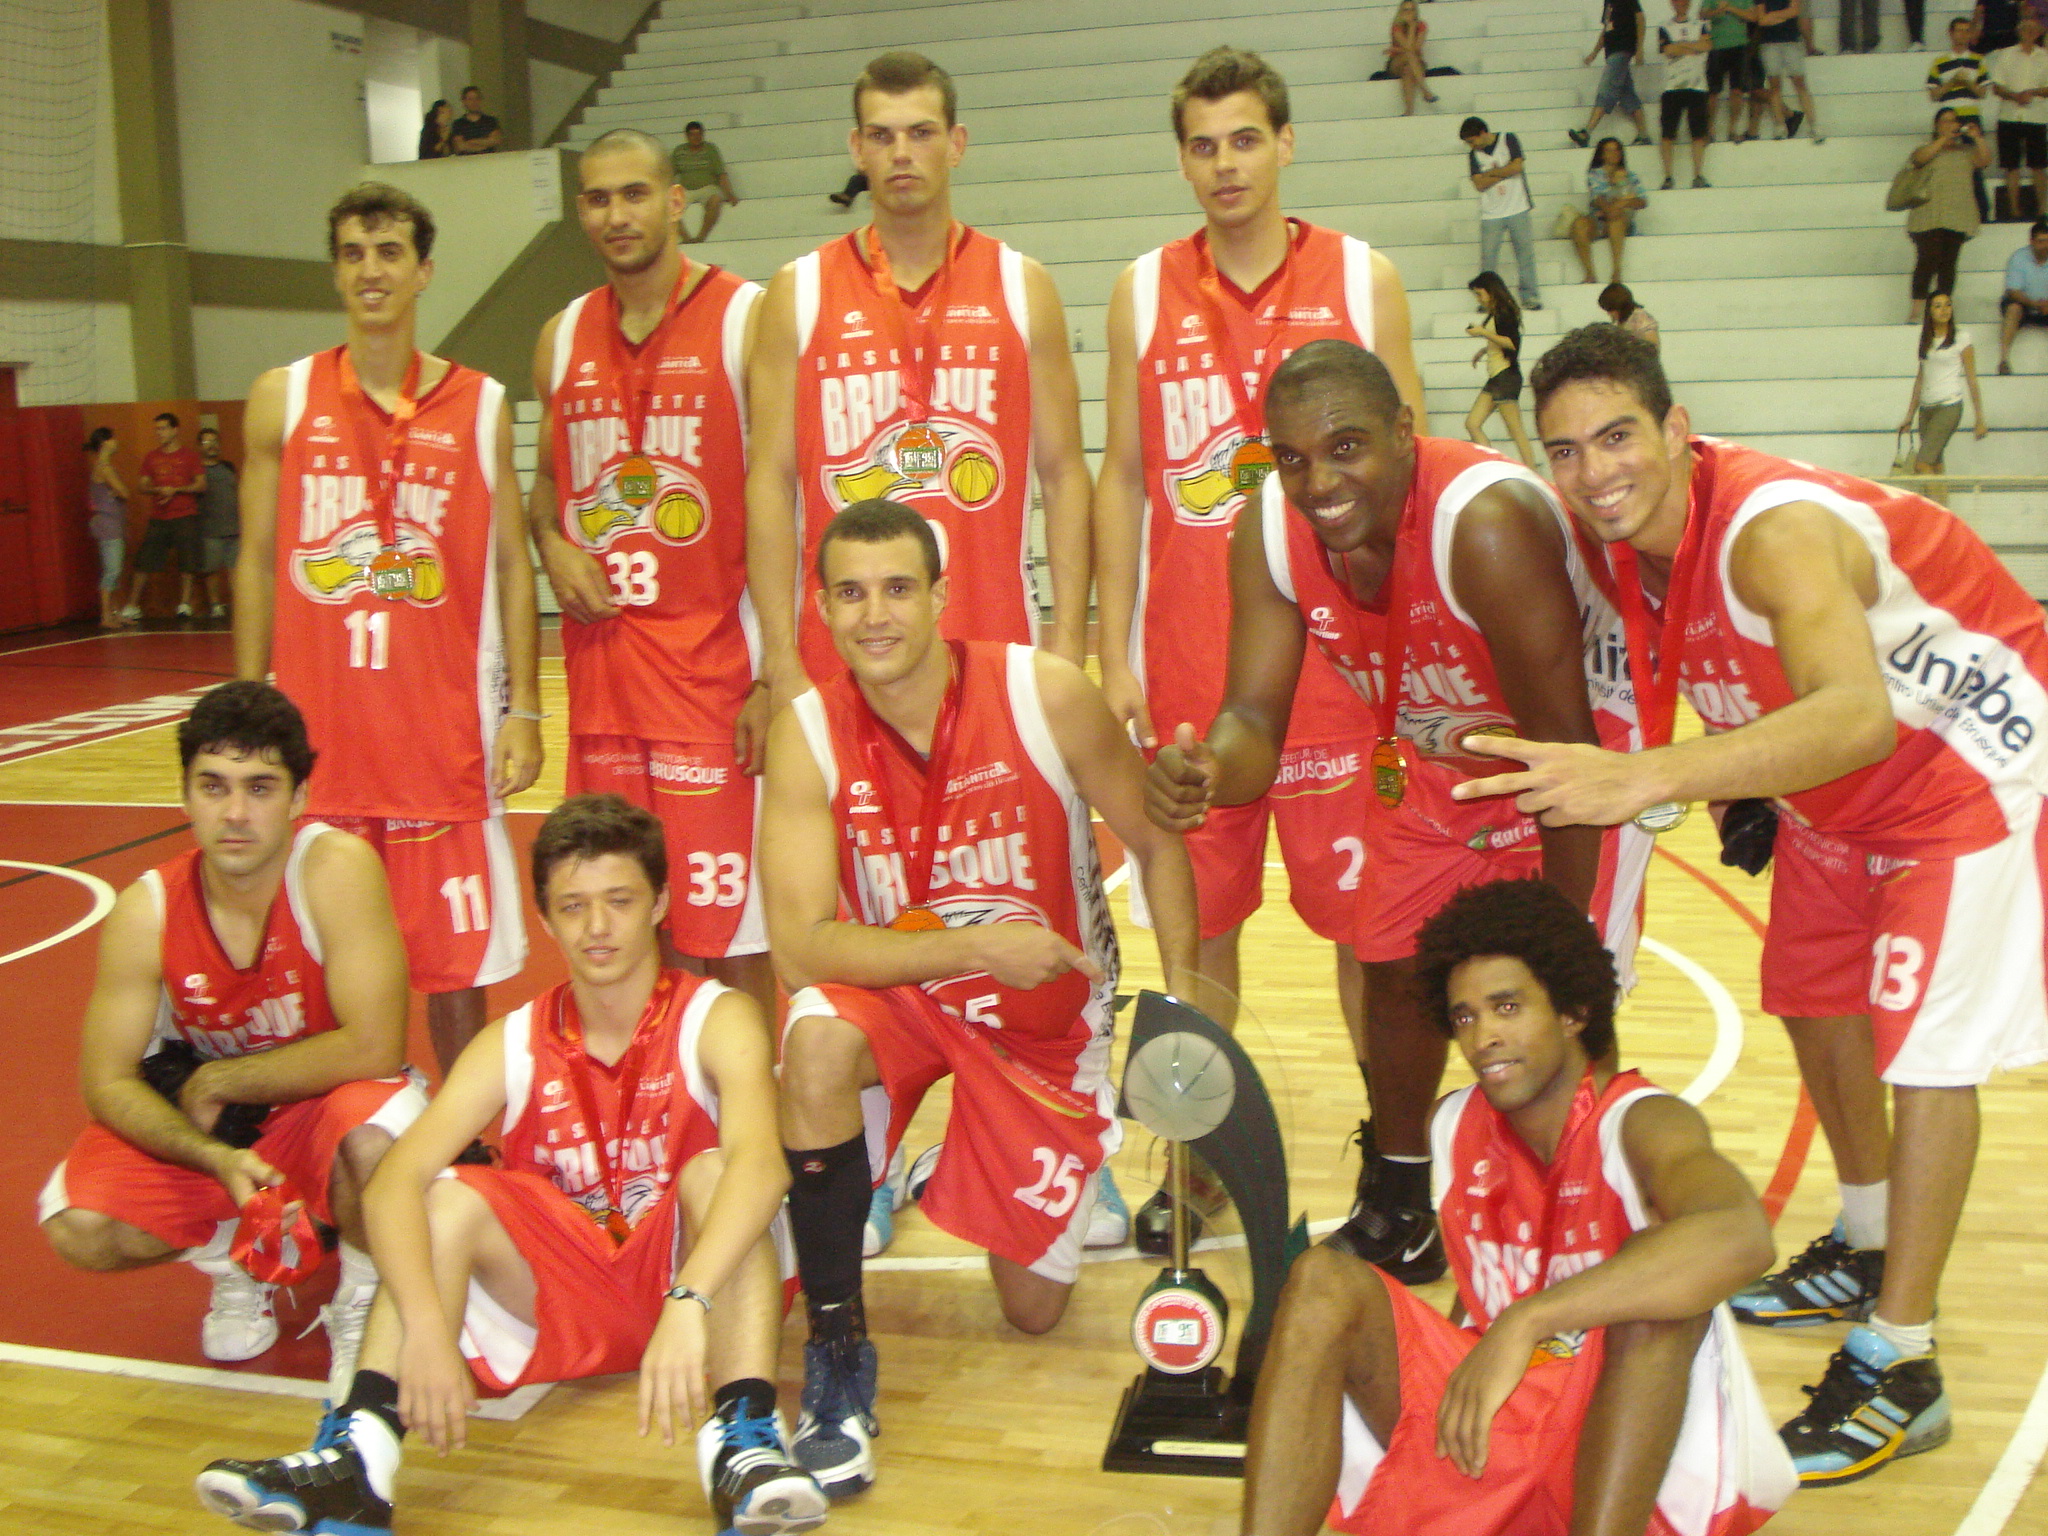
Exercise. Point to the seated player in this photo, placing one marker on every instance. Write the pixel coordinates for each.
(564, 1262)
(1611, 1393)
(266, 966)
(938, 795)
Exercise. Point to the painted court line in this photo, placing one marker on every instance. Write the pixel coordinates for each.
(1728, 1026)
(102, 904)
(2001, 1492)
(20, 743)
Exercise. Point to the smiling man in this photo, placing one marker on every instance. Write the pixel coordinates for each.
(1599, 1386)
(1858, 654)
(384, 575)
(936, 909)
(1445, 585)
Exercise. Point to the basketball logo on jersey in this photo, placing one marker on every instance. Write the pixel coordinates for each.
(642, 494)
(1212, 468)
(915, 460)
(353, 560)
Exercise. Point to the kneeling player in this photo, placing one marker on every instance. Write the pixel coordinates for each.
(265, 967)
(563, 1263)
(1595, 1234)
(938, 793)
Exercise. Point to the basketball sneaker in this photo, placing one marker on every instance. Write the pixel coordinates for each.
(1828, 1283)
(1109, 1219)
(1152, 1227)
(240, 1321)
(754, 1488)
(1401, 1239)
(837, 1425)
(322, 1489)
(921, 1170)
(1870, 1408)
(887, 1200)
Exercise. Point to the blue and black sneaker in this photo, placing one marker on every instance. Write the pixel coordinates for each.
(837, 1425)
(754, 1487)
(1870, 1408)
(1828, 1283)
(323, 1489)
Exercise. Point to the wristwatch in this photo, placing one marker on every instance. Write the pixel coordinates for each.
(689, 1293)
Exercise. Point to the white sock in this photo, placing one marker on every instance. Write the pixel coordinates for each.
(379, 1449)
(1909, 1342)
(1397, 1157)
(1863, 1218)
(357, 1269)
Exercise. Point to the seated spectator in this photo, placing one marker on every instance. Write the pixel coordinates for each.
(856, 184)
(1731, 66)
(1405, 39)
(1624, 311)
(476, 132)
(1947, 364)
(2026, 291)
(700, 172)
(2019, 77)
(1949, 217)
(1781, 52)
(1684, 44)
(435, 143)
(1621, 35)
(1614, 193)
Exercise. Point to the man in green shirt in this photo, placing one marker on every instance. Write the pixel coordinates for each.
(700, 172)
(1731, 66)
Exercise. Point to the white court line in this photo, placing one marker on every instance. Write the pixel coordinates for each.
(2001, 1492)
(51, 645)
(1727, 1021)
(102, 904)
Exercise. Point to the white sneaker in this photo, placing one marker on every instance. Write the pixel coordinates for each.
(132, 611)
(343, 1318)
(1109, 1219)
(184, 610)
(887, 1200)
(240, 1323)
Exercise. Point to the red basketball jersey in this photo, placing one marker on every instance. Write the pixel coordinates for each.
(665, 517)
(402, 693)
(1960, 644)
(1190, 429)
(1014, 835)
(857, 437)
(217, 1007)
(674, 1108)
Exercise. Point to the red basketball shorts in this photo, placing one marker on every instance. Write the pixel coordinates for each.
(455, 888)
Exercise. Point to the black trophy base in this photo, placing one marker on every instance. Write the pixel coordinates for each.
(1189, 1426)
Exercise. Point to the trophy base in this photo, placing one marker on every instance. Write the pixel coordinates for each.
(1189, 1426)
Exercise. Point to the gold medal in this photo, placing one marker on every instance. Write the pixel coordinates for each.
(1250, 465)
(1389, 772)
(920, 452)
(917, 920)
(391, 574)
(1662, 817)
(636, 481)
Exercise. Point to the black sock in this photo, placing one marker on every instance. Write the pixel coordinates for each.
(754, 1394)
(374, 1392)
(1365, 1076)
(1405, 1184)
(829, 1192)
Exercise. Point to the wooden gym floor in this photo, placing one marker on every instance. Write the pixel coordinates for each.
(984, 1430)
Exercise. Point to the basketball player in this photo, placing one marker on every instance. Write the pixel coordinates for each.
(638, 511)
(917, 359)
(1858, 653)
(1462, 563)
(1195, 330)
(938, 793)
(268, 961)
(644, 1246)
(384, 575)
(1600, 1385)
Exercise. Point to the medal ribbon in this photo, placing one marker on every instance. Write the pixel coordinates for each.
(912, 324)
(1656, 686)
(1394, 651)
(630, 1069)
(390, 465)
(917, 874)
(1238, 334)
(632, 364)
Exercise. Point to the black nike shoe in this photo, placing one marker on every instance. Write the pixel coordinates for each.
(1152, 1225)
(1401, 1239)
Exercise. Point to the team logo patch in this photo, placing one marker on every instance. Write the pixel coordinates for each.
(640, 494)
(356, 561)
(952, 461)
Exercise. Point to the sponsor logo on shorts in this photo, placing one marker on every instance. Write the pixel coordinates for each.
(701, 778)
(1315, 765)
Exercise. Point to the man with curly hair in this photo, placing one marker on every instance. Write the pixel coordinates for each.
(1594, 1234)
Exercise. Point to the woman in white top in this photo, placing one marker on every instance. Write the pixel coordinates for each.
(1947, 364)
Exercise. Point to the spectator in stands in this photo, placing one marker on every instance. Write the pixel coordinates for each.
(1621, 35)
(1782, 54)
(1949, 217)
(2026, 291)
(1494, 161)
(1994, 24)
(1685, 44)
(1405, 38)
(1624, 311)
(1856, 30)
(1614, 193)
(172, 476)
(476, 132)
(435, 143)
(700, 172)
(1500, 335)
(856, 184)
(1948, 363)
(107, 499)
(1731, 66)
(2019, 77)
(220, 526)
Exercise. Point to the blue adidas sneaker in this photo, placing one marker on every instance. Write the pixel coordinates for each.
(1870, 1408)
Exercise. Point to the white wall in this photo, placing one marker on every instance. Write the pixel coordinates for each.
(232, 346)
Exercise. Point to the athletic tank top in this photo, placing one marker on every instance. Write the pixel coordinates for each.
(856, 439)
(221, 1009)
(1016, 837)
(674, 1107)
(402, 695)
(1189, 433)
(1959, 642)
(666, 518)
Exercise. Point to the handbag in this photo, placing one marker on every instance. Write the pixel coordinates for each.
(1908, 452)
(1567, 217)
(1911, 187)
